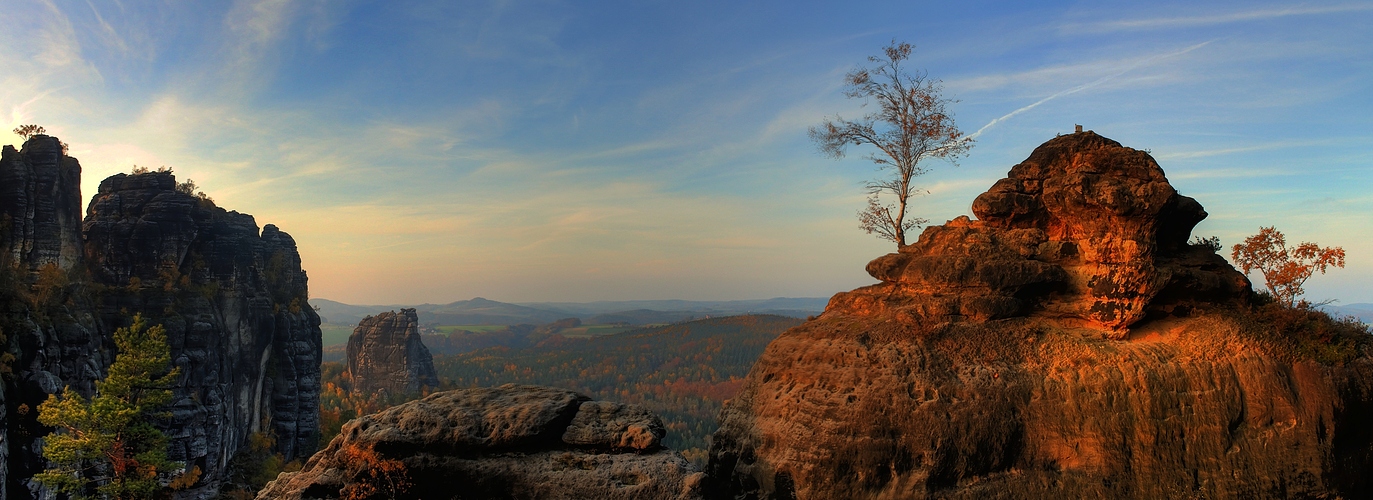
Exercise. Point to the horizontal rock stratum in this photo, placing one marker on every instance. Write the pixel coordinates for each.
(510, 441)
(1069, 343)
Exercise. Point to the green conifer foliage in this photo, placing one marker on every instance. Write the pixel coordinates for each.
(107, 446)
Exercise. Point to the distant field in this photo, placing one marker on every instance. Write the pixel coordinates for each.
(470, 328)
(338, 334)
(335, 334)
(594, 330)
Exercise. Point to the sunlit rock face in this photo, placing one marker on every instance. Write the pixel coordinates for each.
(1068, 343)
(1084, 231)
(231, 298)
(511, 441)
(386, 354)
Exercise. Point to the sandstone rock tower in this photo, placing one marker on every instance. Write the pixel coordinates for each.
(1069, 343)
(385, 353)
(40, 199)
(231, 296)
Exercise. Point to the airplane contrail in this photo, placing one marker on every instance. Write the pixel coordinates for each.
(1086, 86)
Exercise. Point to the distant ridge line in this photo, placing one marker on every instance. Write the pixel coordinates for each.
(482, 311)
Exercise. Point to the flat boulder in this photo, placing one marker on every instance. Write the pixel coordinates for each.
(512, 441)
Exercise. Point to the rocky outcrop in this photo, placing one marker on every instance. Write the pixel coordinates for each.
(40, 204)
(385, 353)
(1067, 344)
(231, 298)
(505, 442)
(1085, 231)
(49, 334)
(233, 301)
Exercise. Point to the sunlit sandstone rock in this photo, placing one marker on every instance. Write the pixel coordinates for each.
(1068, 343)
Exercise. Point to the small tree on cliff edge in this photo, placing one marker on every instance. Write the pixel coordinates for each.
(910, 125)
(1285, 269)
(108, 445)
(28, 131)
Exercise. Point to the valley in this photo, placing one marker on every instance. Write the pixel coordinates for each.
(683, 372)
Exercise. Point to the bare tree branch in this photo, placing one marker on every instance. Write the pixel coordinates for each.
(910, 125)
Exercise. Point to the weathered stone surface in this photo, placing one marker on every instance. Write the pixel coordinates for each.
(1069, 344)
(473, 419)
(504, 442)
(48, 325)
(232, 300)
(615, 425)
(386, 353)
(1085, 231)
(40, 204)
(1023, 408)
(234, 305)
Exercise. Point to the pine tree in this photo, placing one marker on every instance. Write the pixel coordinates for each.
(108, 445)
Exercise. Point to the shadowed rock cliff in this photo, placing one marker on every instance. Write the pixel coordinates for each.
(234, 305)
(40, 199)
(385, 353)
(48, 327)
(233, 301)
(1067, 344)
(505, 442)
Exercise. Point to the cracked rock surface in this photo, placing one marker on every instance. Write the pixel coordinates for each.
(512, 441)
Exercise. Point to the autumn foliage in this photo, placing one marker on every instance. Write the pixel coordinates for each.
(374, 476)
(682, 372)
(1285, 269)
(107, 444)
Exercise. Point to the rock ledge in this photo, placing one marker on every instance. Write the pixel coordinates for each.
(510, 441)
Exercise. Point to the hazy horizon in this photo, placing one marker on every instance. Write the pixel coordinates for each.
(571, 152)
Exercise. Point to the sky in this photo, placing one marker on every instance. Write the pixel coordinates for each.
(582, 151)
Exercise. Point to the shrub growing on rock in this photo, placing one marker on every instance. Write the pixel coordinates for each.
(28, 131)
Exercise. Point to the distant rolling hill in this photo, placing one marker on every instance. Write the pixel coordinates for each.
(480, 311)
(1362, 311)
(810, 305)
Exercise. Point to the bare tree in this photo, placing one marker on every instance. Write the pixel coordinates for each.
(909, 125)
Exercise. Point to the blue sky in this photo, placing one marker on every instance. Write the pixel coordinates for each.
(578, 151)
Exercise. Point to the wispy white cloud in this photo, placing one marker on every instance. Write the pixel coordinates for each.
(1204, 153)
(1214, 19)
(1228, 173)
(1131, 67)
(694, 179)
(40, 63)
